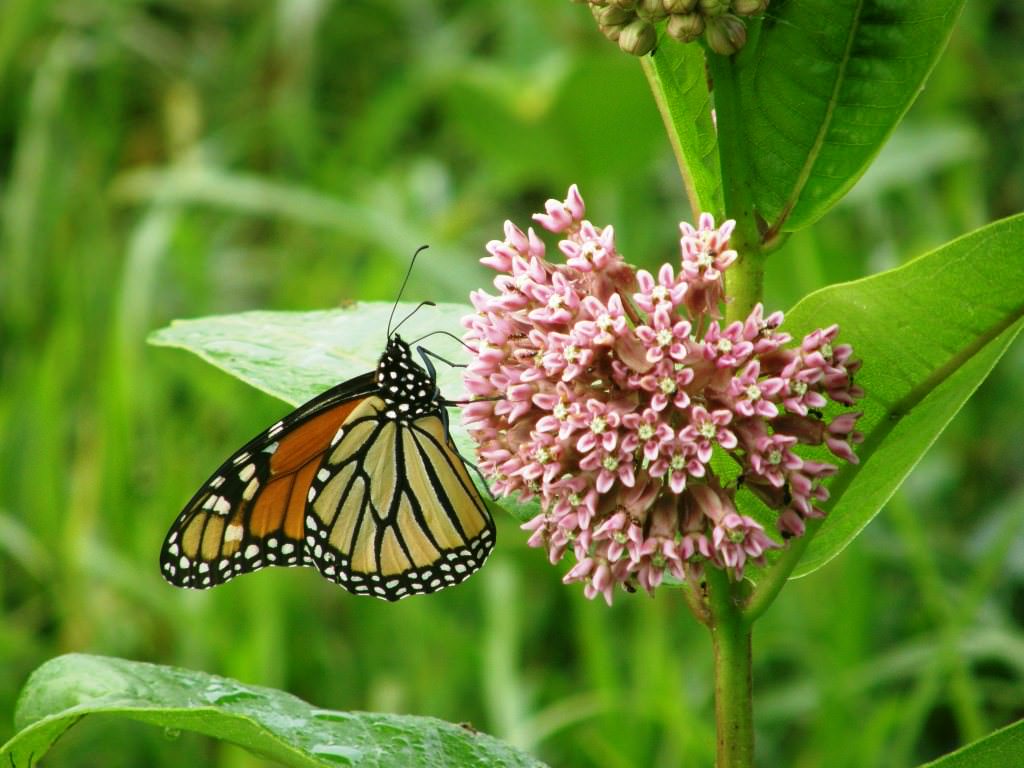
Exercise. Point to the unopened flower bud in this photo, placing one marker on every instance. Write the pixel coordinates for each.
(749, 7)
(611, 19)
(686, 27)
(713, 7)
(638, 37)
(613, 16)
(726, 34)
(654, 10)
(679, 6)
(626, 5)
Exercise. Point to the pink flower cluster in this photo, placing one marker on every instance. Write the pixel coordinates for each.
(606, 392)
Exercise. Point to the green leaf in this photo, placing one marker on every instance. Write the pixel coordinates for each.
(265, 721)
(818, 88)
(295, 356)
(997, 750)
(928, 332)
(678, 80)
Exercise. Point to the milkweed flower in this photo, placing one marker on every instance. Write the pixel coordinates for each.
(621, 401)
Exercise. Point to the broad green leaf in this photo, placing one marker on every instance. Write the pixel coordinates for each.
(1003, 748)
(265, 721)
(928, 332)
(818, 88)
(295, 356)
(678, 80)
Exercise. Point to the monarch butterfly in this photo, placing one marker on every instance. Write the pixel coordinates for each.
(362, 483)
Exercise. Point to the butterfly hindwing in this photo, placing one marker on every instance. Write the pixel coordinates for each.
(250, 513)
(393, 510)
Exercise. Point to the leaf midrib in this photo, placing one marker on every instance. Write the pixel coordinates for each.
(819, 140)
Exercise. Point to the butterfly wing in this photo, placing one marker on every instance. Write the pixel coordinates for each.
(250, 513)
(393, 511)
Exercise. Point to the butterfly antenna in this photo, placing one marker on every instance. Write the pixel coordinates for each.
(401, 290)
(419, 306)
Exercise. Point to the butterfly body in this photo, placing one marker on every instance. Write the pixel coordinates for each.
(362, 483)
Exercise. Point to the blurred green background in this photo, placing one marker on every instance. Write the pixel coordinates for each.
(174, 159)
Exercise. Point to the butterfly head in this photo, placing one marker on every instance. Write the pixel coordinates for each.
(407, 389)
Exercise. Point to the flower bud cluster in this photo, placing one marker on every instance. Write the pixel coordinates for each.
(617, 396)
(631, 23)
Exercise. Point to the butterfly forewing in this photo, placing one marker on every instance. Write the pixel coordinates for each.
(250, 513)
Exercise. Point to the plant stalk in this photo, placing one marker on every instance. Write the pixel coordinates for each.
(721, 605)
(730, 635)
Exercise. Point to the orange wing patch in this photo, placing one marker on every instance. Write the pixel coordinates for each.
(299, 446)
(281, 506)
(251, 513)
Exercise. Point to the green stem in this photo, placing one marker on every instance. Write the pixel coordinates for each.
(730, 634)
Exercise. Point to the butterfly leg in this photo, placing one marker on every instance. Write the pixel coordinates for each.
(426, 354)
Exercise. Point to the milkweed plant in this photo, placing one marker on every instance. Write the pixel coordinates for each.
(657, 431)
(633, 411)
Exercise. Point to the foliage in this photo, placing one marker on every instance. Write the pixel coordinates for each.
(917, 385)
(162, 160)
(265, 721)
